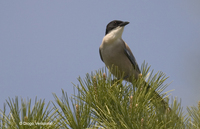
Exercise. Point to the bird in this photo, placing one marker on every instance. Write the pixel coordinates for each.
(115, 53)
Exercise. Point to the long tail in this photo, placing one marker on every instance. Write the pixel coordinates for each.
(158, 98)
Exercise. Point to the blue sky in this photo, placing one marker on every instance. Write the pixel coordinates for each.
(47, 45)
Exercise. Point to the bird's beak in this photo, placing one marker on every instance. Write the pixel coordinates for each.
(124, 23)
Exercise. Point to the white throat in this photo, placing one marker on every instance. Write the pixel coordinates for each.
(113, 35)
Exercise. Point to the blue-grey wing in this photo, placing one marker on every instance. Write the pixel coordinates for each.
(131, 57)
(100, 54)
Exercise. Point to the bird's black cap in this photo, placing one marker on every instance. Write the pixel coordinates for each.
(113, 24)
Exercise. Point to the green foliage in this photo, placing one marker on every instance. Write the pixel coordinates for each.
(104, 102)
(38, 117)
(73, 118)
(117, 104)
(194, 113)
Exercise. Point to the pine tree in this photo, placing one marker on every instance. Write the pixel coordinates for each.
(104, 102)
